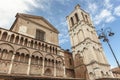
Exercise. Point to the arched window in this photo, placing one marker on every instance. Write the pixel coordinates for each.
(48, 63)
(26, 42)
(40, 61)
(10, 54)
(76, 16)
(43, 47)
(86, 18)
(70, 61)
(50, 49)
(4, 54)
(12, 38)
(17, 56)
(52, 63)
(39, 46)
(33, 59)
(35, 44)
(16, 39)
(72, 22)
(45, 61)
(46, 48)
(53, 49)
(22, 57)
(27, 58)
(31, 44)
(56, 51)
(4, 36)
(83, 16)
(21, 41)
(107, 74)
(36, 60)
(102, 73)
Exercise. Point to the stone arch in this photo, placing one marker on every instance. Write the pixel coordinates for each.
(23, 50)
(102, 73)
(6, 54)
(32, 59)
(56, 51)
(60, 59)
(83, 16)
(80, 35)
(78, 60)
(59, 64)
(48, 61)
(46, 48)
(50, 49)
(86, 18)
(37, 58)
(43, 46)
(27, 58)
(76, 17)
(17, 39)
(21, 40)
(53, 49)
(39, 46)
(4, 36)
(6, 46)
(17, 56)
(35, 45)
(37, 53)
(10, 55)
(12, 37)
(31, 44)
(49, 56)
(91, 75)
(22, 57)
(72, 21)
(48, 72)
(26, 42)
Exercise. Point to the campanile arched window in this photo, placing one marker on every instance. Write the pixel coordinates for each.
(76, 17)
(83, 16)
(72, 22)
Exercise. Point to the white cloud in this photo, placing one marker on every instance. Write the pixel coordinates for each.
(63, 38)
(105, 16)
(63, 2)
(117, 11)
(110, 19)
(9, 8)
(92, 7)
(63, 41)
(108, 5)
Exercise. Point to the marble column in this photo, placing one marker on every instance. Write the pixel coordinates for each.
(54, 69)
(43, 66)
(11, 64)
(29, 63)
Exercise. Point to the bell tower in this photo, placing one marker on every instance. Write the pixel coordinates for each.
(88, 55)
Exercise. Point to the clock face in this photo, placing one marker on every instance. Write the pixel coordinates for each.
(22, 29)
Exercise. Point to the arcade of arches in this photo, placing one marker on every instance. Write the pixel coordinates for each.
(20, 56)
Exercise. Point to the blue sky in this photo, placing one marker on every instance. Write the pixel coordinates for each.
(104, 13)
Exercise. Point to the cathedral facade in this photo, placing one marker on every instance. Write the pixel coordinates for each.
(30, 50)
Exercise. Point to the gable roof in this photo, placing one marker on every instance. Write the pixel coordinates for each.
(34, 19)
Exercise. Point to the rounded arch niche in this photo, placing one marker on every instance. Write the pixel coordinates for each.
(48, 72)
